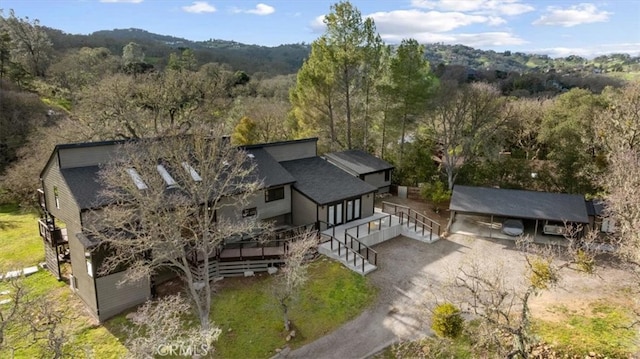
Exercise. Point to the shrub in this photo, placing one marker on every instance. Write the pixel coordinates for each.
(437, 193)
(543, 275)
(447, 321)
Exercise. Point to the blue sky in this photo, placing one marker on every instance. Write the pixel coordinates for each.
(554, 27)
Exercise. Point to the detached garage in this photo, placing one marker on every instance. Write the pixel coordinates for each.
(502, 211)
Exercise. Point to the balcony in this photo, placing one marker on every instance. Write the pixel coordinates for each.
(53, 235)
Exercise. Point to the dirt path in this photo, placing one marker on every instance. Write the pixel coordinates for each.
(409, 274)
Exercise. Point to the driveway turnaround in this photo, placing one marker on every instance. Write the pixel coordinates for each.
(411, 274)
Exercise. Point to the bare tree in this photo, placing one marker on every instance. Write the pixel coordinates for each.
(160, 328)
(50, 327)
(462, 121)
(294, 273)
(28, 320)
(174, 200)
(503, 306)
(10, 310)
(30, 45)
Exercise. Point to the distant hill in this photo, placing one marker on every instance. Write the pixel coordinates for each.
(286, 59)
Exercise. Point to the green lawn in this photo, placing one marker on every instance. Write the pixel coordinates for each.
(20, 243)
(605, 330)
(244, 309)
(252, 324)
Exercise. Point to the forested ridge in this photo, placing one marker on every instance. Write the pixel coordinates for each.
(440, 113)
(443, 115)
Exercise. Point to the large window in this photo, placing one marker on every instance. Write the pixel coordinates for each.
(334, 214)
(274, 194)
(353, 209)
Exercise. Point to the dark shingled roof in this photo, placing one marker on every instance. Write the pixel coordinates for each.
(269, 170)
(358, 162)
(323, 182)
(519, 204)
(84, 183)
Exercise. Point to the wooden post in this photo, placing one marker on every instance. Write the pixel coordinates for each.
(491, 227)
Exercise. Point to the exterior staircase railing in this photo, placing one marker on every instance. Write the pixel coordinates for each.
(351, 255)
(415, 219)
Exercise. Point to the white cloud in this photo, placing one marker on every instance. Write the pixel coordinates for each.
(495, 7)
(260, 9)
(199, 7)
(573, 15)
(122, 1)
(632, 49)
(408, 21)
(317, 25)
(483, 39)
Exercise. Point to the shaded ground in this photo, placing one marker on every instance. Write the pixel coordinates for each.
(412, 273)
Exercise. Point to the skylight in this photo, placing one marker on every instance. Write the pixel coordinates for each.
(166, 176)
(194, 174)
(135, 176)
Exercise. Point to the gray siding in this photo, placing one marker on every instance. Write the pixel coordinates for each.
(114, 298)
(85, 156)
(69, 213)
(292, 151)
(305, 210)
(367, 205)
(265, 210)
(85, 286)
(377, 179)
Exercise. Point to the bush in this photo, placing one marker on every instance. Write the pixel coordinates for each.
(437, 193)
(447, 321)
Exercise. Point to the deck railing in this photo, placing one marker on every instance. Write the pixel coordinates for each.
(53, 235)
(420, 222)
(369, 253)
(352, 256)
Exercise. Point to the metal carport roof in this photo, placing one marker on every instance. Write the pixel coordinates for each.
(519, 204)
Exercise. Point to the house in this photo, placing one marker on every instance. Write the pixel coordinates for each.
(325, 193)
(365, 166)
(298, 189)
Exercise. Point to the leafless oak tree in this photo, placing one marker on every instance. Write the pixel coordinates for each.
(294, 273)
(155, 222)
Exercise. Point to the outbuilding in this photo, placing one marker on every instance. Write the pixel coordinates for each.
(542, 212)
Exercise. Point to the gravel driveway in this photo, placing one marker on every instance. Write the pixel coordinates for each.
(409, 273)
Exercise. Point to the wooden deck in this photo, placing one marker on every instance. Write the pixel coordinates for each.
(252, 253)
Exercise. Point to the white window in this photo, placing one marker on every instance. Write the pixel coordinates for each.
(56, 196)
(89, 267)
(356, 208)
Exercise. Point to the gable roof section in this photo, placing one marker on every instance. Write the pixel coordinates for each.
(84, 184)
(323, 182)
(268, 170)
(519, 204)
(358, 161)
